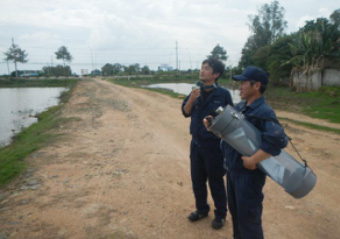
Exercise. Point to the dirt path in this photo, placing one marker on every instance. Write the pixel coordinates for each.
(122, 171)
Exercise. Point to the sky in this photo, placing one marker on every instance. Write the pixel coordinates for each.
(147, 32)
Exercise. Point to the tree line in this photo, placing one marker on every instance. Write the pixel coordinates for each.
(314, 46)
(16, 54)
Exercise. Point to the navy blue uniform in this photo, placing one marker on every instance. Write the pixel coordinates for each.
(205, 154)
(245, 186)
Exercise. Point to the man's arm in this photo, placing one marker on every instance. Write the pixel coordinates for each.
(273, 140)
(187, 109)
(251, 161)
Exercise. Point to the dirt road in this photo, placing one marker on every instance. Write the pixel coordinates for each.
(121, 170)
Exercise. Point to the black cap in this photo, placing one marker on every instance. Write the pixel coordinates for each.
(252, 73)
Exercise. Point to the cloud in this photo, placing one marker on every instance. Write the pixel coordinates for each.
(325, 12)
(302, 21)
(131, 31)
(322, 12)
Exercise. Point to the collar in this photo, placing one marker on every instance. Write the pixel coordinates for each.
(259, 101)
(208, 87)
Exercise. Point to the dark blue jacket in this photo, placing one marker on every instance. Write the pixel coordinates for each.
(219, 97)
(263, 118)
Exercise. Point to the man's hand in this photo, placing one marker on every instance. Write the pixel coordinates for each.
(207, 123)
(249, 163)
(194, 94)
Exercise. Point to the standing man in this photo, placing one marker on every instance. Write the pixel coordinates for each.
(205, 154)
(244, 181)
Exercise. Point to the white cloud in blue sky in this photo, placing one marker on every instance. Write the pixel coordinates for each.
(136, 31)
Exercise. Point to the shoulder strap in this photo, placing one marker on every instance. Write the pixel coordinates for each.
(289, 138)
(264, 118)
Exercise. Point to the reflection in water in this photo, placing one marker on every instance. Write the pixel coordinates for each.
(18, 106)
(185, 89)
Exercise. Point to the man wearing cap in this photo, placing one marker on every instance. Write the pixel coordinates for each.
(206, 158)
(244, 181)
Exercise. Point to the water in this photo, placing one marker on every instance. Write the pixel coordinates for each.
(185, 89)
(18, 106)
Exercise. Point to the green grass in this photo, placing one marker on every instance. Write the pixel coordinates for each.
(36, 83)
(322, 104)
(312, 126)
(31, 139)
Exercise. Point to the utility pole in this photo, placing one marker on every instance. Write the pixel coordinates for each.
(189, 59)
(15, 59)
(91, 61)
(7, 66)
(176, 59)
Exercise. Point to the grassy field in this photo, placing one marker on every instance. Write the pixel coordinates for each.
(322, 104)
(34, 137)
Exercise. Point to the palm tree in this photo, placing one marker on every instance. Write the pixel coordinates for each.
(316, 42)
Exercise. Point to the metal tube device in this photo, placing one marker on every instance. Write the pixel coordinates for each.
(231, 126)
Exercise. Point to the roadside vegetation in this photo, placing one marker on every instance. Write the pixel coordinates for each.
(34, 137)
(36, 83)
(322, 104)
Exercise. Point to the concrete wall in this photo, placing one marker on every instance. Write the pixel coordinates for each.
(316, 79)
(311, 81)
(331, 77)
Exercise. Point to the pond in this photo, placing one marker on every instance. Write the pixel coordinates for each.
(185, 89)
(18, 107)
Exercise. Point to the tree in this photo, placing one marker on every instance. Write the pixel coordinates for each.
(15, 54)
(63, 54)
(315, 42)
(335, 17)
(146, 70)
(247, 52)
(261, 56)
(266, 27)
(219, 53)
(117, 68)
(58, 70)
(133, 69)
(277, 66)
(107, 70)
(315, 46)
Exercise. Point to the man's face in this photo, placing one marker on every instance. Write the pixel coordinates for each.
(207, 75)
(247, 90)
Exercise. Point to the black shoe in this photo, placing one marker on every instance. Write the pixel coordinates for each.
(218, 223)
(195, 216)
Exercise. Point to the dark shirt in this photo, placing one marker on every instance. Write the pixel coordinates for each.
(201, 108)
(205, 94)
(263, 118)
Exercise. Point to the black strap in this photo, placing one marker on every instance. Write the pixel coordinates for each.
(289, 138)
(264, 118)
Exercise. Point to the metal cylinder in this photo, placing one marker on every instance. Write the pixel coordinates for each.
(230, 125)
